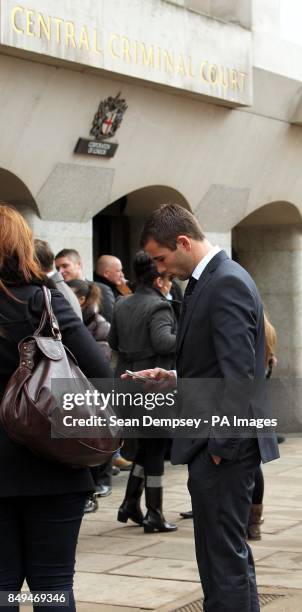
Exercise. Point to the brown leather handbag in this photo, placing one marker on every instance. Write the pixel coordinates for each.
(29, 408)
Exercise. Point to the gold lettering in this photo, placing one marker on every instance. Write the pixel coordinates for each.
(159, 57)
(213, 74)
(224, 77)
(233, 79)
(181, 68)
(58, 23)
(190, 64)
(113, 38)
(169, 61)
(42, 26)
(84, 38)
(147, 55)
(17, 9)
(29, 23)
(202, 71)
(95, 47)
(242, 82)
(136, 49)
(70, 34)
(126, 49)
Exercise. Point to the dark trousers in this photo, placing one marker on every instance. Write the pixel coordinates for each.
(258, 492)
(150, 455)
(221, 500)
(38, 542)
(102, 474)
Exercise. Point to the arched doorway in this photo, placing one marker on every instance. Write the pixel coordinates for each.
(14, 191)
(116, 229)
(268, 243)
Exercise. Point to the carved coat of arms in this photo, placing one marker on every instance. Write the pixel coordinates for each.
(108, 117)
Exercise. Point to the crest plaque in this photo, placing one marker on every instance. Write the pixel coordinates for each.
(106, 121)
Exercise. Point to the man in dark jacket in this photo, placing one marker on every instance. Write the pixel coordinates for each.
(109, 271)
(220, 336)
(69, 263)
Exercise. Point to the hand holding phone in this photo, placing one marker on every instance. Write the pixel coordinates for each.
(141, 378)
(162, 379)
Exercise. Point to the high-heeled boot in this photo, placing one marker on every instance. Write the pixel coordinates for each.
(130, 508)
(154, 519)
(255, 520)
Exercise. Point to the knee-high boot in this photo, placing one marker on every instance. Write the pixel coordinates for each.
(154, 519)
(130, 508)
(255, 520)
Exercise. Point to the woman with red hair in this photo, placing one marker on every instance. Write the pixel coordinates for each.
(41, 502)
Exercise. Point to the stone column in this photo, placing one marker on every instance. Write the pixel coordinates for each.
(273, 257)
(222, 239)
(62, 235)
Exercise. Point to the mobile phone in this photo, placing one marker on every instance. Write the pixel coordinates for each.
(142, 378)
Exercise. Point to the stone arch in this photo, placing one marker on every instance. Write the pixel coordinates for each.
(142, 202)
(117, 227)
(14, 191)
(268, 243)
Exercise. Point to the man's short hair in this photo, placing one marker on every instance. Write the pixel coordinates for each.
(44, 255)
(71, 253)
(167, 223)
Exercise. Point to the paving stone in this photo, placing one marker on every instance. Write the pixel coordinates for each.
(83, 606)
(282, 512)
(279, 496)
(274, 524)
(134, 531)
(97, 527)
(100, 563)
(129, 591)
(181, 549)
(105, 544)
(288, 579)
(120, 568)
(169, 569)
(183, 506)
(283, 560)
(289, 603)
(260, 552)
(293, 472)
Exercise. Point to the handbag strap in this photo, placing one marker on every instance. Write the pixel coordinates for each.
(48, 316)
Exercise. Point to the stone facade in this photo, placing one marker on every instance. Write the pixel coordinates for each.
(202, 149)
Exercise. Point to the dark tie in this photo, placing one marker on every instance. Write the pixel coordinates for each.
(187, 295)
(190, 287)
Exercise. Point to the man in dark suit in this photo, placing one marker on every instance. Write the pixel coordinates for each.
(221, 336)
(68, 262)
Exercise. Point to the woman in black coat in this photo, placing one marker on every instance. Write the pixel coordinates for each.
(41, 502)
(143, 331)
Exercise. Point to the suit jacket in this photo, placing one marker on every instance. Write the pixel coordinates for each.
(221, 336)
(22, 472)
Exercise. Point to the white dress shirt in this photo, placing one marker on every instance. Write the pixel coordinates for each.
(197, 272)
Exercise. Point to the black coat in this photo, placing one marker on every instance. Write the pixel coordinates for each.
(108, 296)
(23, 473)
(221, 335)
(143, 331)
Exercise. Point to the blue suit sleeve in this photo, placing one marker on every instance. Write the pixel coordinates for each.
(234, 331)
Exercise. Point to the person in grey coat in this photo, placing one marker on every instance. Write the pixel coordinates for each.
(46, 258)
(143, 331)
